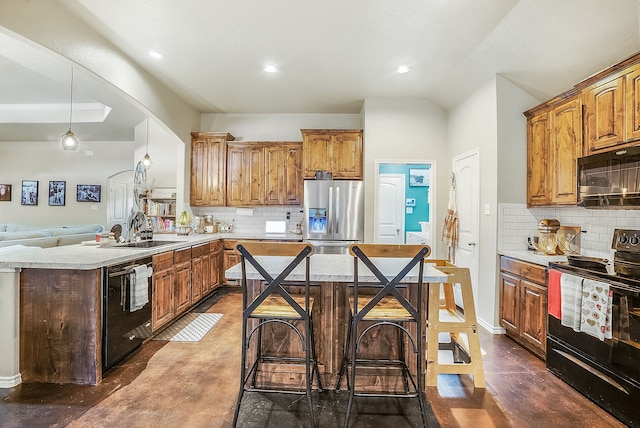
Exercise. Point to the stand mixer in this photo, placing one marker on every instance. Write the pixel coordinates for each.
(547, 237)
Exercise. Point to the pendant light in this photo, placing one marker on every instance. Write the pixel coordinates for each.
(146, 161)
(69, 140)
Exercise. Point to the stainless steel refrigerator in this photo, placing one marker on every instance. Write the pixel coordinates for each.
(333, 214)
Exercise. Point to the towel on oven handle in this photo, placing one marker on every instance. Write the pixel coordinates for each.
(139, 287)
(571, 295)
(597, 299)
(554, 299)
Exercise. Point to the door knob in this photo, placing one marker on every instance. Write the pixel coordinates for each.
(472, 244)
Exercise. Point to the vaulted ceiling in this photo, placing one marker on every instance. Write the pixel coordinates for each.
(330, 55)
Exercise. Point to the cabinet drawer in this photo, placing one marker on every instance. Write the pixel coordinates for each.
(215, 246)
(200, 250)
(162, 261)
(182, 255)
(230, 244)
(532, 272)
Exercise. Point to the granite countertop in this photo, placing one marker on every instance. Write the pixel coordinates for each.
(87, 257)
(532, 257)
(336, 268)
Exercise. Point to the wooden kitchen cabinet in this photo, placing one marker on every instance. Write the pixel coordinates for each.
(182, 268)
(208, 168)
(200, 273)
(264, 173)
(554, 143)
(215, 263)
(163, 279)
(338, 151)
(230, 258)
(523, 303)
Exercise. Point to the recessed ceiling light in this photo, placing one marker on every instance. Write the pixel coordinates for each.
(155, 55)
(403, 69)
(270, 68)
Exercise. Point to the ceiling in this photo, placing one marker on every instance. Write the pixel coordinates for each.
(331, 55)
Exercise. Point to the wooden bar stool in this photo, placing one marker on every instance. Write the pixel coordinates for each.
(462, 329)
(274, 305)
(387, 307)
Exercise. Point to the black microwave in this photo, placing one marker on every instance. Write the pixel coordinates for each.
(610, 180)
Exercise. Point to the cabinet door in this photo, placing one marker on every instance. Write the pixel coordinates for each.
(292, 179)
(566, 147)
(236, 174)
(537, 158)
(183, 287)
(274, 171)
(197, 277)
(317, 155)
(632, 106)
(346, 156)
(534, 314)
(604, 115)
(208, 164)
(215, 262)
(245, 177)
(254, 194)
(163, 307)
(231, 258)
(510, 303)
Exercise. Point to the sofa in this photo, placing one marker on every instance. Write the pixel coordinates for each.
(47, 236)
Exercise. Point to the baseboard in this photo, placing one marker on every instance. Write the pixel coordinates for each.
(490, 328)
(10, 381)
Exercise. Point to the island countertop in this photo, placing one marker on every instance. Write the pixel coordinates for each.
(337, 268)
(86, 257)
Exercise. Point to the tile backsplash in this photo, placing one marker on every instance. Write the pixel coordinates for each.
(252, 220)
(516, 222)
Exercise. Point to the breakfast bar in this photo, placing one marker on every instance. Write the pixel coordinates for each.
(330, 276)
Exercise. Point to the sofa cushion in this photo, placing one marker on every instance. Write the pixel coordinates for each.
(3, 227)
(76, 228)
(50, 241)
(11, 236)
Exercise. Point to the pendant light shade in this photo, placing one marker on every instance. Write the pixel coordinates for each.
(69, 141)
(146, 161)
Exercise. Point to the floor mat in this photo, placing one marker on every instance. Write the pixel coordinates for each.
(190, 328)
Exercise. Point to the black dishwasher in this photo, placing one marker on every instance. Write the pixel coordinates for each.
(123, 329)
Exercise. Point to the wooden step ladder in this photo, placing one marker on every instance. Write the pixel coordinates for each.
(444, 318)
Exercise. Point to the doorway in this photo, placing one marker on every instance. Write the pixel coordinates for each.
(120, 199)
(410, 186)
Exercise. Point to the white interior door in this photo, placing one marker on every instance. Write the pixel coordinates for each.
(391, 209)
(120, 200)
(467, 179)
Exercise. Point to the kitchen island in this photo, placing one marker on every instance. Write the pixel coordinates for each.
(330, 275)
(51, 305)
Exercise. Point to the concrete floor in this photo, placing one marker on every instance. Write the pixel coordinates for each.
(173, 384)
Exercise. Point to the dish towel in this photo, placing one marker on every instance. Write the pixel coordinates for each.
(554, 294)
(597, 300)
(139, 287)
(451, 225)
(571, 296)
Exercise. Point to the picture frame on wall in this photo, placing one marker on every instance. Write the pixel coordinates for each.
(57, 193)
(29, 195)
(5, 192)
(418, 177)
(88, 193)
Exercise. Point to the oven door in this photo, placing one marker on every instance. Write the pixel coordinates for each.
(621, 353)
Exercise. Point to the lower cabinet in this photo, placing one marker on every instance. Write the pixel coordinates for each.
(182, 267)
(523, 303)
(215, 262)
(200, 272)
(163, 308)
(231, 258)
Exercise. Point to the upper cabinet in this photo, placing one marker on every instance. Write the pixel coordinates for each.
(554, 142)
(612, 111)
(264, 173)
(338, 151)
(208, 163)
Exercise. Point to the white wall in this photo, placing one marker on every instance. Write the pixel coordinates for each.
(275, 127)
(47, 161)
(406, 130)
(472, 125)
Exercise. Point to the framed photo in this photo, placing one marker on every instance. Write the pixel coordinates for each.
(29, 192)
(57, 193)
(88, 193)
(5, 192)
(418, 177)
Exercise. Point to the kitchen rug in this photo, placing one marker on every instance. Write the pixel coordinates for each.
(192, 327)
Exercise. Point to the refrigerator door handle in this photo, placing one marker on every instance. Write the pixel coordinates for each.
(330, 213)
(336, 215)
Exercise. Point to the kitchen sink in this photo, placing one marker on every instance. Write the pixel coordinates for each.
(144, 244)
